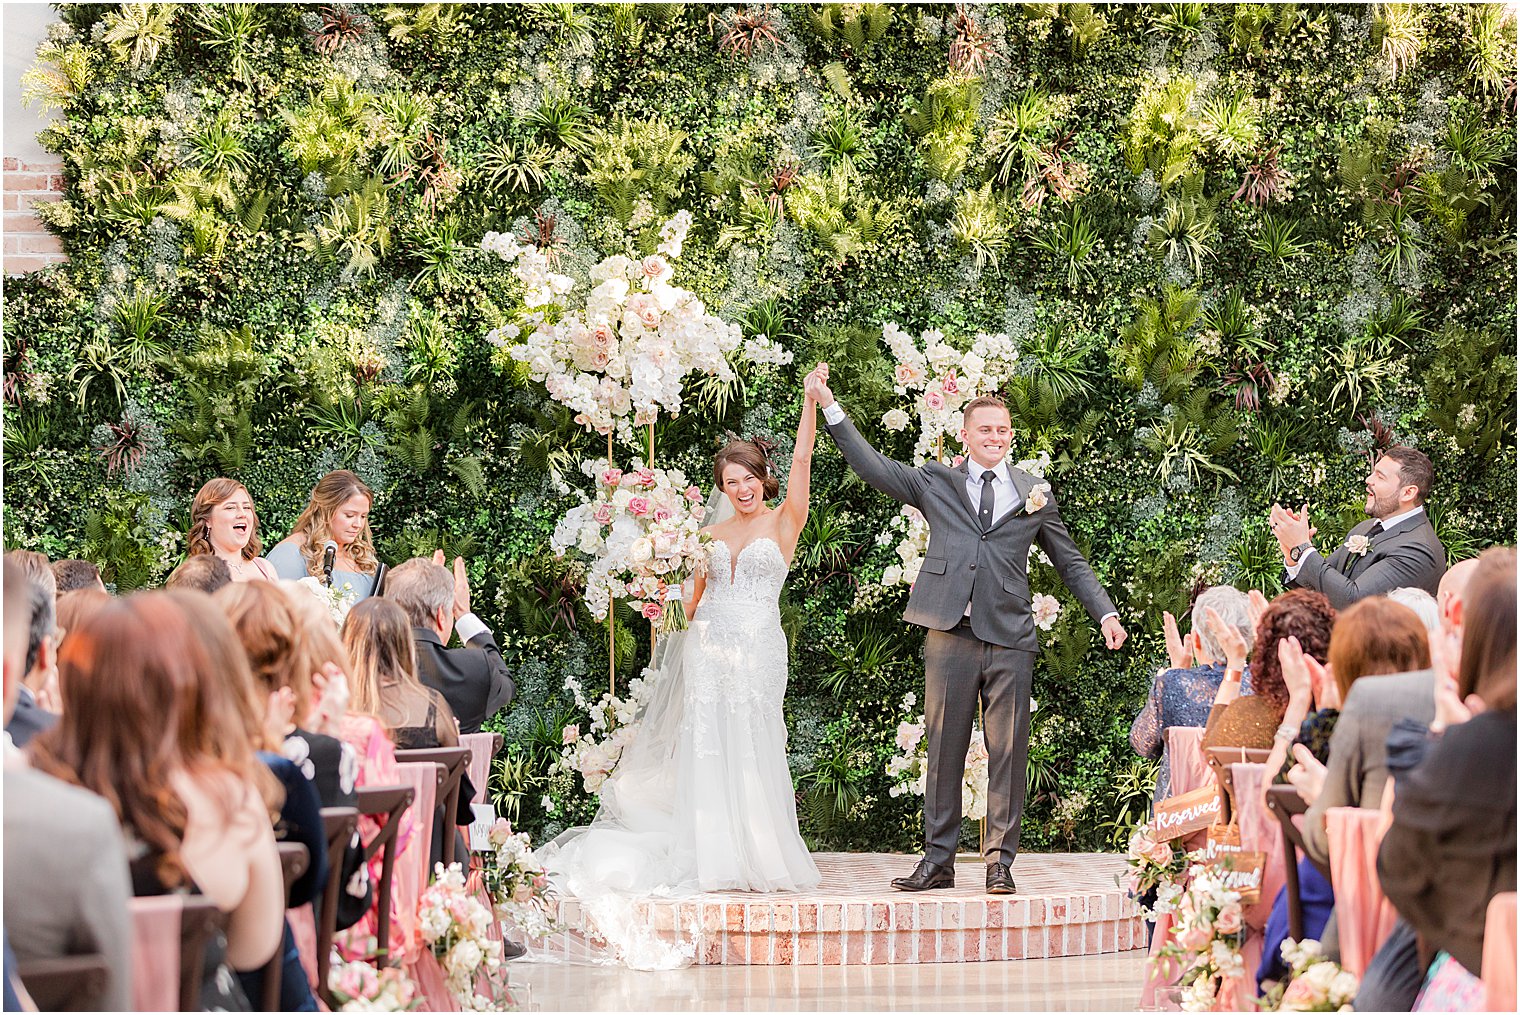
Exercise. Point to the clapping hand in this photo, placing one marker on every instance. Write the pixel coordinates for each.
(1257, 607)
(461, 583)
(1291, 529)
(1178, 651)
(330, 701)
(1229, 639)
(1308, 776)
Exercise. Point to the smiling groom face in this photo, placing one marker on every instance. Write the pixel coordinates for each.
(986, 432)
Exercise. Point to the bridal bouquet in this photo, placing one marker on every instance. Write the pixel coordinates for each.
(910, 768)
(454, 925)
(337, 599)
(359, 986)
(1210, 929)
(516, 880)
(941, 380)
(641, 534)
(630, 345)
(1314, 983)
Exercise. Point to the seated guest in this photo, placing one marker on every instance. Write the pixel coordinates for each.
(1452, 845)
(66, 883)
(1252, 721)
(74, 606)
(149, 724)
(201, 573)
(69, 575)
(338, 512)
(37, 697)
(1183, 694)
(1423, 604)
(224, 524)
(472, 679)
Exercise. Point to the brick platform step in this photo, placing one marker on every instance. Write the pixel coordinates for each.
(1069, 904)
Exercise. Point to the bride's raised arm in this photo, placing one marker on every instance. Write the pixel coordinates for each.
(794, 510)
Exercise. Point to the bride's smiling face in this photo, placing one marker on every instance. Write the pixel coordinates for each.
(745, 490)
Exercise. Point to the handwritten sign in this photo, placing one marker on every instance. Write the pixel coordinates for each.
(480, 827)
(1185, 813)
(1241, 870)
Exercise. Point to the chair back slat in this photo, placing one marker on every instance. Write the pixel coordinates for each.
(483, 750)
(339, 824)
(66, 983)
(295, 859)
(199, 921)
(455, 761)
(388, 802)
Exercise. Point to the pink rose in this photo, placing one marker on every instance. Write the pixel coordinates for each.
(581, 419)
(603, 514)
(950, 384)
(662, 514)
(905, 374)
(645, 477)
(1194, 938)
(1228, 920)
(522, 893)
(655, 268)
(638, 506)
(1160, 853)
(652, 611)
(602, 337)
(934, 400)
(612, 477)
(570, 734)
(955, 463)
(693, 494)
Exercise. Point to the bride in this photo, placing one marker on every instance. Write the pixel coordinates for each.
(702, 799)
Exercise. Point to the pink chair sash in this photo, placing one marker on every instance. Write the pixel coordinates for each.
(1184, 752)
(155, 952)
(413, 873)
(1365, 917)
(480, 761)
(303, 927)
(1499, 954)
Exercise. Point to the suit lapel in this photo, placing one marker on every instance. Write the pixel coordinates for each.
(962, 474)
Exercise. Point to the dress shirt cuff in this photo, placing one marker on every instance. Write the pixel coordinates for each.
(1293, 569)
(469, 626)
(1104, 619)
(833, 414)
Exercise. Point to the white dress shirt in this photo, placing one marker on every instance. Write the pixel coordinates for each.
(1388, 523)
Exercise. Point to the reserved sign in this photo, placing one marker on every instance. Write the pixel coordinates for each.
(1185, 813)
(1242, 872)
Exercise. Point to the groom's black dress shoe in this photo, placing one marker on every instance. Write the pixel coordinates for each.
(1000, 880)
(926, 876)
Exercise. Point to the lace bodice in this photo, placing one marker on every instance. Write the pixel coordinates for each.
(755, 579)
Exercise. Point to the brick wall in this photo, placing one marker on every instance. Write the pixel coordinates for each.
(28, 244)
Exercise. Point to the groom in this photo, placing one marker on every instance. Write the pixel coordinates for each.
(972, 593)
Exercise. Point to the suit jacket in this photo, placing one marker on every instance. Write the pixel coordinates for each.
(472, 679)
(963, 564)
(1406, 556)
(29, 719)
(1357, 769)
(66, 881)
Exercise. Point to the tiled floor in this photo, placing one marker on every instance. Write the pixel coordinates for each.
(1082, 983)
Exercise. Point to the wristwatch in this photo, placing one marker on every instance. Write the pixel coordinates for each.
(1297, 553)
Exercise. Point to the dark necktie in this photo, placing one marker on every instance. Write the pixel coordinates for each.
(987, 497)
(1376, 530)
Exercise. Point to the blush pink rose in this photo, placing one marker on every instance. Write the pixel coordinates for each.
(1194, 938)
(612, 477)
(661, 514)
(645, 477)
(955, 462)
(934, 400)
(905, 374)
(652, 611)
(603, 514)
(568, 735)
(1228, 920)
(693, 494)
(1160, 853)
(638, 506)
(950, 384)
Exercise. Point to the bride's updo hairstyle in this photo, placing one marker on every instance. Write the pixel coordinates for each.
(750, 456)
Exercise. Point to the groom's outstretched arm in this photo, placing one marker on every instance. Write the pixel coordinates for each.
(897, 480)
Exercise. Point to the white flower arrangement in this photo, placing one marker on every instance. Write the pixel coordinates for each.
(517, 881)
(359, 986)
(1209, 932)
(336, 599)
(628, 348)
(594, 753)
(455, 926)
(941, 380)
(641, 534)
(1314, 983)
(909, 769)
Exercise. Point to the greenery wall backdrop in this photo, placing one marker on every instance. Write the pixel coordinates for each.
(1239, 247)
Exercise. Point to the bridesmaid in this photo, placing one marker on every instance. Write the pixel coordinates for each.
(224, 524)
(338, 511)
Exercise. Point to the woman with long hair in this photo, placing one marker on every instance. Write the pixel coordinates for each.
(223, 523)
(337, 513)
(378, 637)
(154, 726)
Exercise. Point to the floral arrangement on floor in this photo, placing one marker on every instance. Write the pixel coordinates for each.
(1313, 983)
(594, 753)
(517, 881)
(640, 534)
(1154, 866)
(455, 926)
(630, 346)
(359, 986)
(1208, 934)
(909, 769)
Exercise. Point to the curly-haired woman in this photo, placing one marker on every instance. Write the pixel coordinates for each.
(338, 512)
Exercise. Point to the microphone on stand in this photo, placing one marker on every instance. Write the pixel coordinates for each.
(329, 558)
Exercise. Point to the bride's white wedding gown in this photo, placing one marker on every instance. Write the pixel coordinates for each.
(702, 799)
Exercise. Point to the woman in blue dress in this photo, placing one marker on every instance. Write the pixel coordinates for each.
(338, 511)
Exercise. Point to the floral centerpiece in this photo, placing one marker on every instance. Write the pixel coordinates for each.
(641, 534)
(359, 986)
(1208, 934)
(628, 348)
(517, 881)
(909, 769)
(1314, 983)
(455, 926)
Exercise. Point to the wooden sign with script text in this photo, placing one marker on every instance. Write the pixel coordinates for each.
(1241, 870)
(1185, 813)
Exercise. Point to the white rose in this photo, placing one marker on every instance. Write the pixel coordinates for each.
(895, 419)
(1039, 496)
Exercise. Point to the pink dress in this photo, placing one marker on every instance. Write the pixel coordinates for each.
(378, 767)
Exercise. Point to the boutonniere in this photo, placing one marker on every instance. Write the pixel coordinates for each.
(1358, 545)
(1039, 496)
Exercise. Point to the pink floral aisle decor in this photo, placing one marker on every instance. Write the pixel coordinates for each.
(593, 753)
(455, 926)
(359, 986)
(1209, 932)
(516, 881)
(1157, 866)
(1313, 983)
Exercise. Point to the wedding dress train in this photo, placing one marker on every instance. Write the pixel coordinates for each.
(702, 799)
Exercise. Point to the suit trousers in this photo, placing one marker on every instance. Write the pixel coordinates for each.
(959, 669)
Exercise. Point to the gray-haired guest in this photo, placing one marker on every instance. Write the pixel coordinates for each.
(1183, 693)
(472, 679)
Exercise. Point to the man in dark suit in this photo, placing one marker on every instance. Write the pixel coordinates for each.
(972, 593)
(472, 679)
(1395, 548)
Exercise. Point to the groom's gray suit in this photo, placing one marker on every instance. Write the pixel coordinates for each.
(989, 652)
